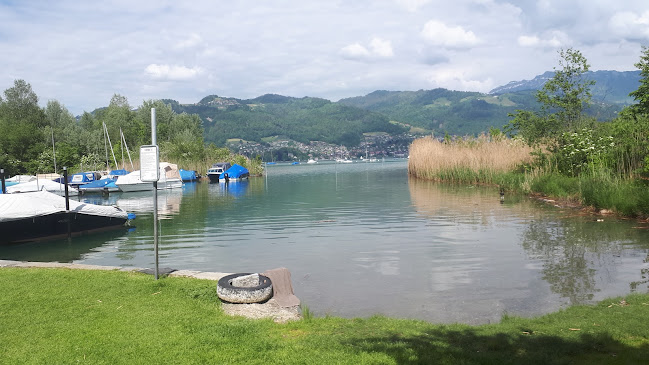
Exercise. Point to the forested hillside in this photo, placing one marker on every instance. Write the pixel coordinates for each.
(457, 112)
(300, 119)
(610, 86)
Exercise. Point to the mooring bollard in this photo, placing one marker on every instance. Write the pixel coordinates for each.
(2, 177)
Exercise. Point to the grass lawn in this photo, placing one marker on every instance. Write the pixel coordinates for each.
(62, 316)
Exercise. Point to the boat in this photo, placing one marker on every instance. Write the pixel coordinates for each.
(81, 178)
(295, 163)
(107, 185)
(188, 175)
(234, 173)
(40, 185)
(21, 178)
(312, 161)
(169, 179)
(214, 172)
(42, 215)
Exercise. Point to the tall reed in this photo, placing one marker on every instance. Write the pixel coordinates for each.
(477, 160)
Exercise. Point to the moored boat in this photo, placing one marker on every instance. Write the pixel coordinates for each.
(41, 215)
(188, 175)
(81, 178)
(40, 185)
(214, 172)
(235, 173)
(107, 185)
(169, 179)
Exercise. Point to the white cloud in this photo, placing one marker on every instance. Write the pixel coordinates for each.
(378, 48)
(440, 34)
(528, 41)
(553, 39)
(192, 41)
(381, 47)
(354, 51)
(412, 5)
(457, 79)
(172, 73)
(630, 25)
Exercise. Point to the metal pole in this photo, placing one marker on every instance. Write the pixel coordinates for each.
(2, 177)
(65, 183)
(154, 141)
(67, 200)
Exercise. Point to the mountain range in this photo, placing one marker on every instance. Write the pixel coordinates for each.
(436, 111)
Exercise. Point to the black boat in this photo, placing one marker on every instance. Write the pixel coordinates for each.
(214, 172)
(34, 216)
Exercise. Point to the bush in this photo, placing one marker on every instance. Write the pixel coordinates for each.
(556, 185)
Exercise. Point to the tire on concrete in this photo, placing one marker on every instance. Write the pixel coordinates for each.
(234, 294)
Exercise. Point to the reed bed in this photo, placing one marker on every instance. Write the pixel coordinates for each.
(479, 160)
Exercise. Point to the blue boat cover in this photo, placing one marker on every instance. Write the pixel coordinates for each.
(235, 172)
(98, 184)
(82, 177)
(119, 172)
(187, 175)
(8, 184)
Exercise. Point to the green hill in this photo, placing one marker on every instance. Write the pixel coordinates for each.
(300, 119)
(394, 112)
(456, 112)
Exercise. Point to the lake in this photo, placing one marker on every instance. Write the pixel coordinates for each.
(364, 238)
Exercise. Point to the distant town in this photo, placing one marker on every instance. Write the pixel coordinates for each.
(372, 146)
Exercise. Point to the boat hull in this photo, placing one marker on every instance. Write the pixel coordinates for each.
(55, 225)
(214, 177)
(147, 186)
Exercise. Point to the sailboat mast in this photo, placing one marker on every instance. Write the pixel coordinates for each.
(127, 151)
(106, 146)
(122, 141)
(111, 146)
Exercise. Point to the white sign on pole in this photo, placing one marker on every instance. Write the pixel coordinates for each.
(149, 164)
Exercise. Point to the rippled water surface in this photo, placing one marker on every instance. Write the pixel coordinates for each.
(362, 238)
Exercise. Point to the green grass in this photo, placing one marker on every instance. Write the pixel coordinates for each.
(60, 316)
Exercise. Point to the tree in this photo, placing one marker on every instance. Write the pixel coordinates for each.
(21, 127)
(641, 95)
(164, 116)
(563, 99)
(567, 93)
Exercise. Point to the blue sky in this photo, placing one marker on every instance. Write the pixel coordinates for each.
(82, 52)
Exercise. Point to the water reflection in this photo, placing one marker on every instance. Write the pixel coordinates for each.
(235, 189)
(169, 202)
(63, 250)
(580, 257)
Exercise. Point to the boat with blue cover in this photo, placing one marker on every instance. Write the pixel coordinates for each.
(188, 175)
(99, 186)
(234, 173)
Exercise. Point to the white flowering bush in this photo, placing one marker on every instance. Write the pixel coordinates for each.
(580, 151)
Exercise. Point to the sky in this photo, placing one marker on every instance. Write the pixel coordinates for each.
(81, 53)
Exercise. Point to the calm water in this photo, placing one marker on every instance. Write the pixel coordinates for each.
(362, 238)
